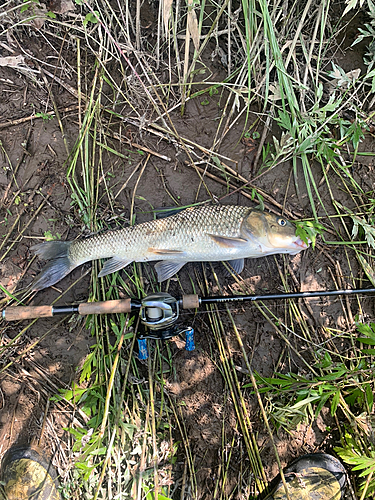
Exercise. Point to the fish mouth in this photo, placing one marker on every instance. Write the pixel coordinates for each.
(301, 244)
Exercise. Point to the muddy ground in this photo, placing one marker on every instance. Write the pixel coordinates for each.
(35, 199)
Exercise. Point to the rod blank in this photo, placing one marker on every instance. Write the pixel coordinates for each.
(15, 313)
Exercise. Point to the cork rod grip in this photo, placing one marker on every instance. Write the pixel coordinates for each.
(15, 313)
(107, 307)
(190, 301)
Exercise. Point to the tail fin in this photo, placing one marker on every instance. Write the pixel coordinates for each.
(61, 265)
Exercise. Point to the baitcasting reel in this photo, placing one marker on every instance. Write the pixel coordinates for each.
(159, 311)
(159, 314)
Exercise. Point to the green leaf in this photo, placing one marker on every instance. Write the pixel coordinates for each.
(366, 340)
(91, 18)
(308, 230)
(368, 352)
(335, 402)
(335, 375)
(365, 329)
(322, 402)
(284, 120)
(307, 145)
(369, 396)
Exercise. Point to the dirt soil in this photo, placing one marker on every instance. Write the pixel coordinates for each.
(35, 199)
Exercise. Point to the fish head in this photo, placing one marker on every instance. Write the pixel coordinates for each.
(274, 233)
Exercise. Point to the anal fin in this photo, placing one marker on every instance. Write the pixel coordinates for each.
(166, 269)
(112, 265)
(237, 265)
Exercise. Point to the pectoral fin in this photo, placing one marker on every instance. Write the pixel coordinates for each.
(166, 269)
(228, 241)
(113, 265)
(237, 265)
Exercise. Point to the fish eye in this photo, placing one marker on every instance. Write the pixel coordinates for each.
(281, 222)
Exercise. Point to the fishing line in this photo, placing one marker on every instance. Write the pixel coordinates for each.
(186, 315)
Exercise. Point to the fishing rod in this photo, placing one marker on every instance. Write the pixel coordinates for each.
(159, 312)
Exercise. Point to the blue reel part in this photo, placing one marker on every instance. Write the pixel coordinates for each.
(189, 339)
(142, 349)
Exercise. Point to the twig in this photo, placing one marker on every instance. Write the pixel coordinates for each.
(23, 208)
(135, 189)
(14, 123)
(261, 142)
(26, 141)
(52, 97)
(244, 193)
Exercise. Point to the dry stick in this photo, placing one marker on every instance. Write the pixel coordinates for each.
(312, 45)
(260, 402)
(128, 179)
(135, 189)
(247, 195)
(156, 107)
(229, 61)
(142, 465)
(285, 339)
(48, 381)
(15, 409)
(23, 208)
(79, 93)
(138, 25)
(49, 89)
(117, 136)
(153, 428)
(246, 182)
(297, 33)
(25, 144)
(186, 62)
(30, 347)
(262, 141)
(23, 186)
(348, 313)
(233, 172)
(44, 422)
(366, 486)
(19, 121)
(208, 36)
(166, 135)
(66, 86)
(158, 36)
(110, 385)
(24, 228)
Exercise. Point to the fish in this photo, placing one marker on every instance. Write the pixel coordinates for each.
(205, 233)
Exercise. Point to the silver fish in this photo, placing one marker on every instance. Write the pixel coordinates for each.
(197, 234)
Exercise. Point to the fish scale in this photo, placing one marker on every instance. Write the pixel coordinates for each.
(205, 233)
(179, 232)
